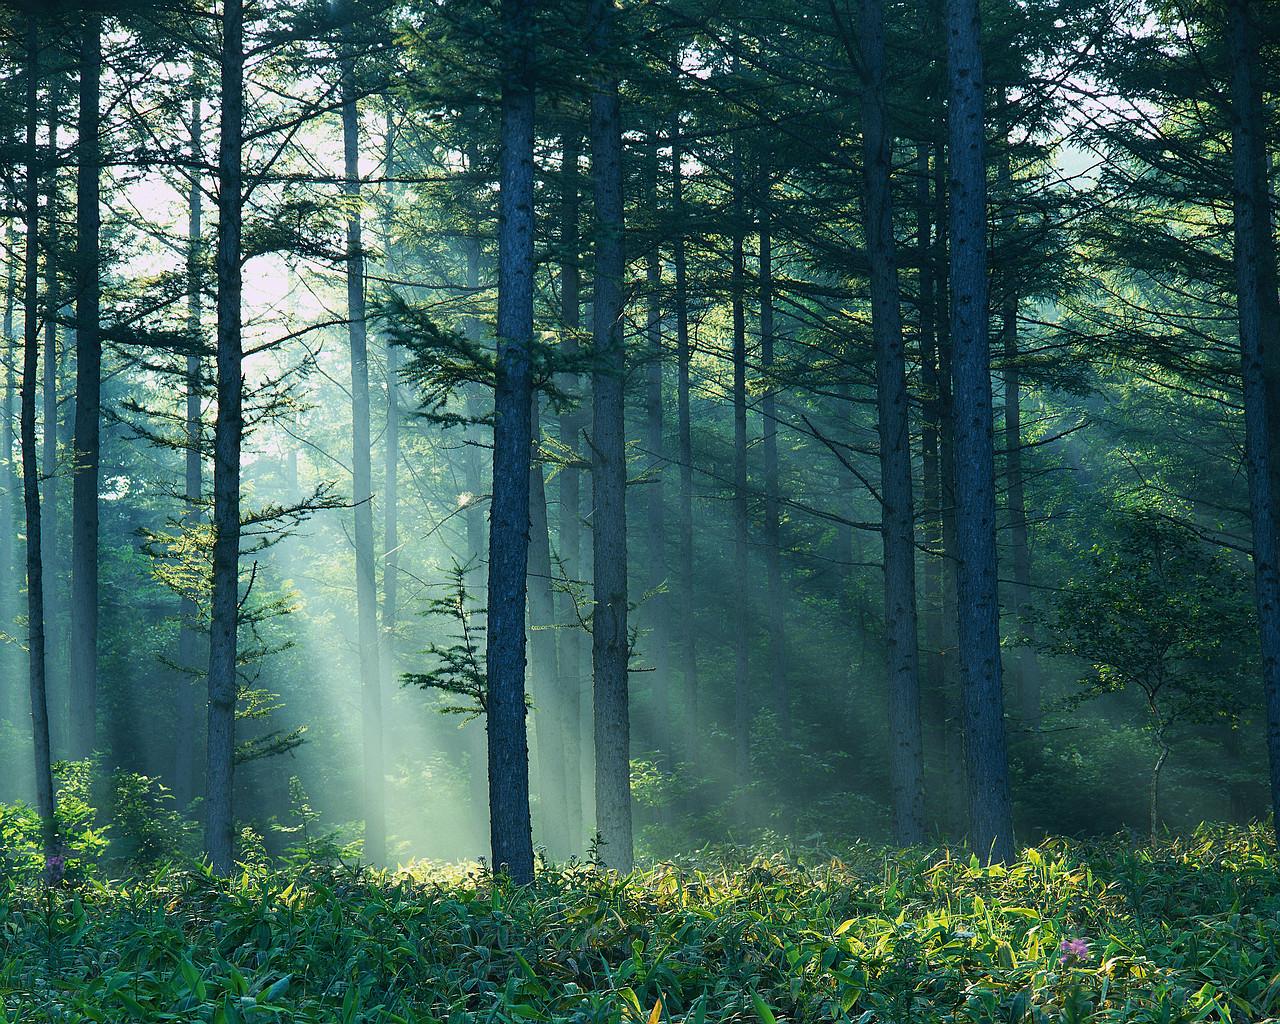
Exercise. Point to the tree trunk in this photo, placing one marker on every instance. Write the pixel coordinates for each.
(9, 490)
(990, 809)
(184, 786)
(572, 653)
(685, 585)
(51, 536)
(906, 766)
(609, 640)
(741, 612)
(1259, 324)
(30, 469)
(509, 826)
(779, 681)
(1153, 805)
(84, 497)
(655, 511)
(375, 823)
(391, 449)
(228, 434)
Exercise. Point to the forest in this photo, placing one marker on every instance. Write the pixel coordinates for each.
(639, 510)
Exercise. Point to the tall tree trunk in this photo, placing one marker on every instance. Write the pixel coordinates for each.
(509, 826)
(990, 809)
(688, 632)
(9, 488)
(391, 441)
(572, 653)
(30, 468)
(741, 613)
(609, 640)
(779, 682)
(906, 764)
(548, 683)
(1259, 323)
(375, 815)
(655, 511)
(228, 434)
(51, 505)
(84, 497)
(189, 635)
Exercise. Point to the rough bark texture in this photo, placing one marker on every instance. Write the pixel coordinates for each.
(52, 532)
(84, 487)
(897, 530)
(1259, 324)
(10, 488)
(609, 641)
(741, 611)
(509, 826)
(228, 434)
(375, 824)
(30, 468)
(978, 610)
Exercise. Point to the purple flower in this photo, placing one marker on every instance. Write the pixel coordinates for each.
(1074, 951)
(55, 867)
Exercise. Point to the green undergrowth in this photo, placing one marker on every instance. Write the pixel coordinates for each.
(1188, 930)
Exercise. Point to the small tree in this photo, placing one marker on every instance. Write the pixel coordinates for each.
(1158, 613)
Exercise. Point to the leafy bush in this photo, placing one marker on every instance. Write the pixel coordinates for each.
(1188, 930)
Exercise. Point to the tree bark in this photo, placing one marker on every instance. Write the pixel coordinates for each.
(84, 497)
(51, 536)
(375, 824)
(228, 435)
(609, 640)
(45, 805)
(10, 487)
(1258, 310)
(391, 441)
(511, 838)
(572, 652)
(990, 808)
(189, 636)
(906, 765)
(779, 681)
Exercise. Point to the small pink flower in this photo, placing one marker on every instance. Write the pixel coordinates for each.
(1074, 951)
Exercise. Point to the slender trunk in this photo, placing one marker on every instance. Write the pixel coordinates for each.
(228, 434)
(906, 759)
(472, 467)
(1153, 806)
(84, 497)
(547, 684)
(685, 586)
(375, 823)
(572, 653)
(1259, 325)
(741, 613)
(9, 488)
(51, 506)
(990, 808)
(184, 786)
(779, 682)
(609, 640)
(391, 448)
(655, 517)
(512, 843)
(30, 469)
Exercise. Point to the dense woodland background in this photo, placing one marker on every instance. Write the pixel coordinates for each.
(861, 424)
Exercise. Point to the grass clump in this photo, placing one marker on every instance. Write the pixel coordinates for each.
(1188, 930)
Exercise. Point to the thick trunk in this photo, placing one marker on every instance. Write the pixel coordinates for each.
(906, 767)
(741, 612)
(978, 609)
(609, 640)
(572, 652)
(30, 468)
(779, 682)
(685, 585)
(509, 827)
(84, 496)
(375, 825)
(189, 636)
(228, 434)
(1259, 324)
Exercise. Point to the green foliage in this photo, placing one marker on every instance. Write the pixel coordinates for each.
(1184, 931)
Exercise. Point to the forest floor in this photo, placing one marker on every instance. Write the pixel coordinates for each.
(1188, 930)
